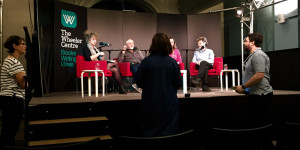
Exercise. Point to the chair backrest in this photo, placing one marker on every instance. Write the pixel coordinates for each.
(82, 64)
(289, 138)
(218, 64)
(217, 67)
(181, 66)
(179, 141)
(237, 139)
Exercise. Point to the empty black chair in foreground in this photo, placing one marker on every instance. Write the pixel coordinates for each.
(181, 141)
(93, 144)
(240, 139)
(289, 139)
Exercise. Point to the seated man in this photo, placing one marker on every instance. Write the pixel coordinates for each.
(204, 60)
(132, 55)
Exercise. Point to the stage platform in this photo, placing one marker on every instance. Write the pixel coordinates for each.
(199, 111)
(75, 97)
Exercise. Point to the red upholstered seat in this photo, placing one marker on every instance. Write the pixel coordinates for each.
(125, 69)
(217, 67)
(82, 64)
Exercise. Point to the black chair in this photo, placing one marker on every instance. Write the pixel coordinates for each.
(240, 139)
(289, 139)
(181, 141)
(93, 144)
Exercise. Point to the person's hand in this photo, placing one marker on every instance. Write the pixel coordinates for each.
(239, 89)
(198, 62)
(124, 47)
(101, 53)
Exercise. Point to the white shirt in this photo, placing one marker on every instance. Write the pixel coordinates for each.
(204, 55)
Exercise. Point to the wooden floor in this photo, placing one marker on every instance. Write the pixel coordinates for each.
(75, 97)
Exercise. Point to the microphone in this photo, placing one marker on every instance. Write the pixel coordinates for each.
(202, 48)
(104, 44)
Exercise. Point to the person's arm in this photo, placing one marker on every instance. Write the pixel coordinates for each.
(141, 56)
(179, 56)
(20, 79)
(139, 76)
(194, 60)
(93, 57)
(121, 57)
(258, 63)
(256, 78)
(211, 57)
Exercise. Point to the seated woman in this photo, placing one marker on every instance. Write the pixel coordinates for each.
(175, 52)
(92, 53)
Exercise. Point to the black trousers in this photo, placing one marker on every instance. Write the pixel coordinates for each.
(203, 71)
(257, 108)
(12, 113)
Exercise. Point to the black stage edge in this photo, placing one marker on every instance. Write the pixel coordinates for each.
(197, 112)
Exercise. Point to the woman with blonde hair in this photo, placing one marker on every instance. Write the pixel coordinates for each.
(92, 53)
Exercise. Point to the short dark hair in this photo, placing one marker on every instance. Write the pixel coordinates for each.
(160, 44)
(257, 38)
(14, 39)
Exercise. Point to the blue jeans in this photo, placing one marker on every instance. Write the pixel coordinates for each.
(134, 68)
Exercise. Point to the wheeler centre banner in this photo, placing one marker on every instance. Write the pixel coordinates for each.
(69, 24)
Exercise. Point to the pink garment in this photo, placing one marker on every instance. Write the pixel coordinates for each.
(176, 55)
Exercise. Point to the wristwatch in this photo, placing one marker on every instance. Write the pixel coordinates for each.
(243, 87)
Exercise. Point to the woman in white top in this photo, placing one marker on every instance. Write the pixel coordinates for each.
(12, 94)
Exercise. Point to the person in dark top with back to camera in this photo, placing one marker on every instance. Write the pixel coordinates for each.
(92, 53)
(12, 93)
(159, 77)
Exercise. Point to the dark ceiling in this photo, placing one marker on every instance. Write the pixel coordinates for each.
(194, 6)
(184, 6)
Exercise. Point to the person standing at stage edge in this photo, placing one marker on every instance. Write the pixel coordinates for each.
(12, 94)
(256, 80)
(159, 77)
(204, 60)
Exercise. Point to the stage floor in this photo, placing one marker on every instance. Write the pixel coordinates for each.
(74, 97)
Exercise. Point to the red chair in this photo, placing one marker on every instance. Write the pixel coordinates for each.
(125, 69)
(82, 64)
(181, 66)
(217, 67)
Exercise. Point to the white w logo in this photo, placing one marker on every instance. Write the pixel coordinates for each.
(68, 19)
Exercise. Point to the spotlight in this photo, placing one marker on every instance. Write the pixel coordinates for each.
(239, 12)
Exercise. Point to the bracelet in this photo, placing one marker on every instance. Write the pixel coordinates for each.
(243, 87)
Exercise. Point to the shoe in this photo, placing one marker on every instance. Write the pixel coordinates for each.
(196, 81)
(122, 90)
(205, 89)
(136, 88)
